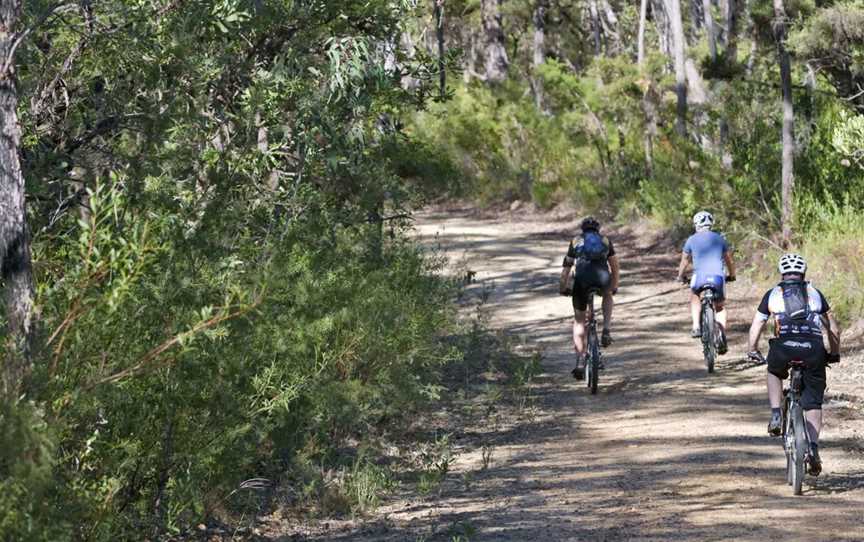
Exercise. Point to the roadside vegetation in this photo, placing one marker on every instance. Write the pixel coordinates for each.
(211, 298)
(587, 114)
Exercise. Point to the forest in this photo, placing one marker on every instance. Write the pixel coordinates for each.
(210, 286)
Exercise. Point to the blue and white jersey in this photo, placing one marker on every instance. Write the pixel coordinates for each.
(773, 305)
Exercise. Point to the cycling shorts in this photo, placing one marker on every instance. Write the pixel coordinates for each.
(718, 282)
(812, 352)
(589, 276)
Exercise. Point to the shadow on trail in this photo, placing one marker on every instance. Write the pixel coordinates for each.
(628, 463)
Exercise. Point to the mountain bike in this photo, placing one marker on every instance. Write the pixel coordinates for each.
(592, 362)
(712, 336)
(796, 439)
(794, 435)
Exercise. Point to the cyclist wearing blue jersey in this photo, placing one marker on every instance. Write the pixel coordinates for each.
(595, 267)
(709, 252)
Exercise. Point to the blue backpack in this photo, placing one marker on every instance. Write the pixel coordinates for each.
(593, 247)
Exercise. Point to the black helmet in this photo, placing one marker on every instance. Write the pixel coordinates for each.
(589, 223)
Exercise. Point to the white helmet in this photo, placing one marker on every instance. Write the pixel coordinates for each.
(792, 263)
(703, 220)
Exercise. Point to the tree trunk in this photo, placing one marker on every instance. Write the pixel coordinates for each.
(661, 22)
(730, 35)
(787, 175)
(439, 35)
(609, 23)
(649, 107)
(709, 29)
(538, 56)
(15, 266)
(496, 62)
(640, 41)
(673, 10)
(596, 27)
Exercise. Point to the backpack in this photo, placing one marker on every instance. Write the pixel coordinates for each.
(795, 302)
(594, 247)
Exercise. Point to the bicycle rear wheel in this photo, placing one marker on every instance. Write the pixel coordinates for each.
(594, 363)
(798, 450)
(709, 347)
(788, 440)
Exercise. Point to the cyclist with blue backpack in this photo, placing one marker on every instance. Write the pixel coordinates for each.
(801, 314)
(709, 253)
(596, 268)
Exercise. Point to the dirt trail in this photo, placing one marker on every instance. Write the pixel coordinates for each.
(663, 452)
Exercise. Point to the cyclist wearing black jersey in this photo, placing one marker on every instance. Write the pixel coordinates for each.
(800, 313)
(596, 268)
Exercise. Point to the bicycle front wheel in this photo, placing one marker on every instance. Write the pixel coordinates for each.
(709, 347)
(799, 449)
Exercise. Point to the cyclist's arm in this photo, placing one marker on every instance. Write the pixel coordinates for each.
(756, 331)
(615, 269)
(833, 332)
(685, 260)
(730, 266)
(565, 272)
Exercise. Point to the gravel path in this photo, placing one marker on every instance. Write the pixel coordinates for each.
(664, 452)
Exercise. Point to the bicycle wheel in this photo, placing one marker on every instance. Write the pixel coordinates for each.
(709, 347)
(594, 363)
(787, 439)
(798, 450)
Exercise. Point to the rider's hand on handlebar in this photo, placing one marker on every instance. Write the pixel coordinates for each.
(756, 355)
(833, 358)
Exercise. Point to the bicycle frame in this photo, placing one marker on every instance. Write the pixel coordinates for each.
(592, 362)
(707, 320)
(796, 438)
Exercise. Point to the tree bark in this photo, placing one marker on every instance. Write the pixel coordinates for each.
(15, 265)
(538, 56)
(439, 35)
(609, 23)
(660, 16)
(596, 27)
(496, 62)
(673, 10)
(730, 35)
(640, 40)
(709, 29)
(787, 178)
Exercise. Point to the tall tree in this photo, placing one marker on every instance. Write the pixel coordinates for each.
(496, 61)
(438, 8)
(539, 49)
(673, 11)
(709, 29)
(17, 276)
(640, 40)
(787, 174)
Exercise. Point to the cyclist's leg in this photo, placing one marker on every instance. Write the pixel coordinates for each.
(579, 332)
(814, 387)
(580, 305)
(695, 312)
(777, 372)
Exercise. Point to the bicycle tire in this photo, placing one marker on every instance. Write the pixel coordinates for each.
(594, 349)
(786, 439)
(800, 445)
(709, 347)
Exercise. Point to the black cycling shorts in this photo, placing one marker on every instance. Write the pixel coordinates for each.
(589, 276)
(812, 352)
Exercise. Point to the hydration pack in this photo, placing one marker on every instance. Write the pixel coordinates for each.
(795, 301)
(593, 246)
